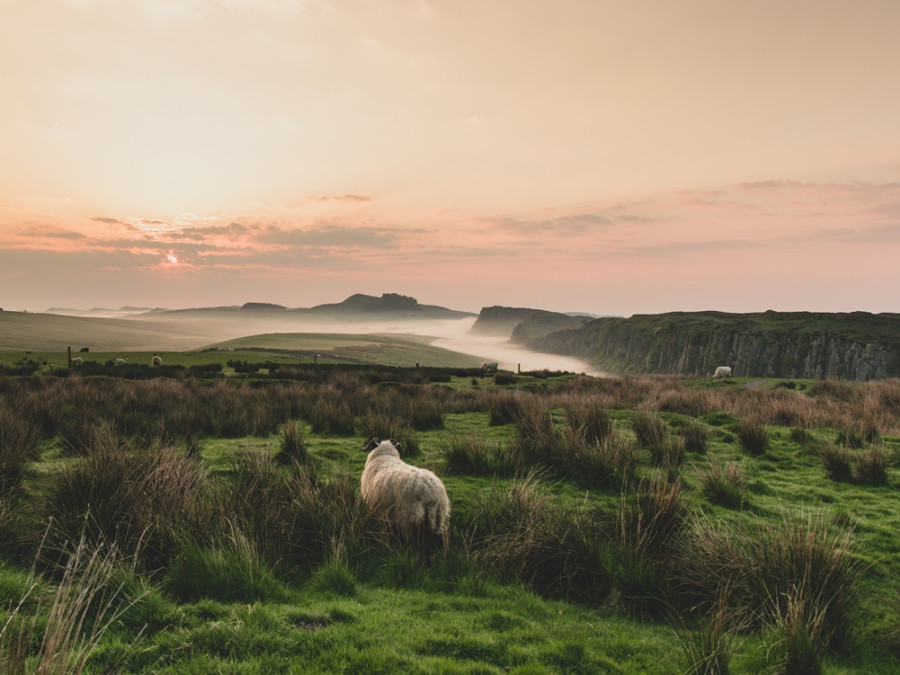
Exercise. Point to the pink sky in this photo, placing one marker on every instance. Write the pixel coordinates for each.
(576, 155)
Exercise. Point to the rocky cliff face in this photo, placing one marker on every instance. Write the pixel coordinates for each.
(856, 346)
(500, 320)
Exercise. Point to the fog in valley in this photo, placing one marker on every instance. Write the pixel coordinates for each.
(196, 329)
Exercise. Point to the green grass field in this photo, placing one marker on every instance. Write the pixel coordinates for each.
(634, 525)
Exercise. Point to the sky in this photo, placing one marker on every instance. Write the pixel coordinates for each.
(612, 157)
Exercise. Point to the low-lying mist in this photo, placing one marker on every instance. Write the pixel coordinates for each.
(200, 329)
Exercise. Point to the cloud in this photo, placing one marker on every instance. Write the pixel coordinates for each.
(346, 199)
(51, 233)
(574, 224)
(331, 236)
(108, 221)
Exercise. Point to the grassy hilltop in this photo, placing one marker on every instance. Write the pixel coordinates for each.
(641, 524)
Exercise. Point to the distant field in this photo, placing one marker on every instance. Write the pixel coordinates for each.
(387, 350)
(192, 339)
(300, 348)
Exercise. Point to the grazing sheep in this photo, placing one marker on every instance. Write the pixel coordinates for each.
(489, 366)
(77, 361)
(156, 360)
(120, 362)
(722, 371)
(411, 500)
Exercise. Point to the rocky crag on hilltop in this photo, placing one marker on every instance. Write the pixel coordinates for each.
(851, 346)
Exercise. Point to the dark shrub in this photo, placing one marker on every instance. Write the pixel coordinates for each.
(871, 466)
(752, 436)
(503, 407)
(19, 440)
(517, 535)
(836, 462)
(724, 484)
(648, 527)
(649, 429)
(144, 500)
(503, 377)
(694, 435)
(590, 423)
(476, 456)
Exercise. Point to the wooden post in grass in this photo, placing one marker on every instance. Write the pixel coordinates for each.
(69, 350)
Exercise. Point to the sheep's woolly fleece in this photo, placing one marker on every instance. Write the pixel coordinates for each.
(410, 497)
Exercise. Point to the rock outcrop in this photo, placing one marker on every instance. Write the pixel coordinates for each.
(853, 346)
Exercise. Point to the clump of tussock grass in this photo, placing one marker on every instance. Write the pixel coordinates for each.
(850, 438)
(649, 429)
(537, 442)
(476, 456)
(380, 425)
(334, 576)
(724, 484)
(252, 501)
(503, 407)
(871, 466)
(425, 412)
(321, 515)
(864, 467)
(293, 446)
(611, 463)
(649, 523)
(690, 402)
(799, 632)
(710, 646)
(695, 437)
(752, 436)
(836, 461)
(141, 499)
(503, 377)
(329, 415)
(19, 439)
(516, 534)
(669, 453)
(229, 571)
(767, 568)
(590, 423)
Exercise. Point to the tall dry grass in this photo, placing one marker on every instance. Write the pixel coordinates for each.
(142, 499)
(770, 572)
(65, 623)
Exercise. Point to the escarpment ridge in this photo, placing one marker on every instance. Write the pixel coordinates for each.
(851, 346)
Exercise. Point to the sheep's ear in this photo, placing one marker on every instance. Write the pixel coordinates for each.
(372, 444)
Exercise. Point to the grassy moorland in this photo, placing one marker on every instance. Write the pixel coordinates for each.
(185, 521)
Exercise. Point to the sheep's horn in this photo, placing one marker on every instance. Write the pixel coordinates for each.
(372, 444)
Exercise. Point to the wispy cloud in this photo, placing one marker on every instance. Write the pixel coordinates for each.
(346, 199)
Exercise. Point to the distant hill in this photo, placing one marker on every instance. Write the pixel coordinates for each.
(262, 307)
(185, 329)
(389, 305)
(54, 332)
(852, 346)
(522, 324)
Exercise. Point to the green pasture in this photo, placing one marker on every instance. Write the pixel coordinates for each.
(224, 605)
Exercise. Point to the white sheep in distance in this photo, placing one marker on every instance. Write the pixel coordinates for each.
(156, 360)
(77, 361)
(120, 362)
(722, 371)
(412, 501)
(489, 366)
